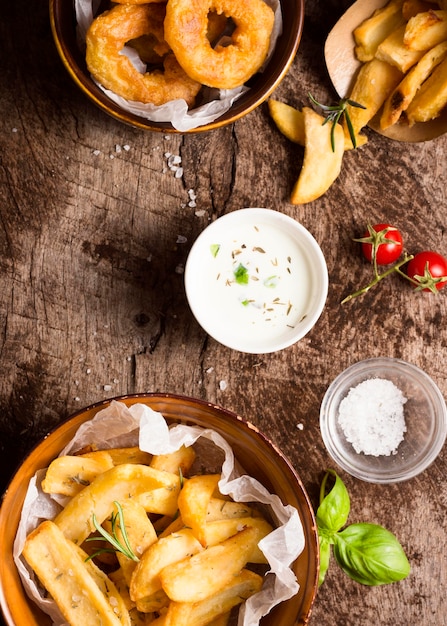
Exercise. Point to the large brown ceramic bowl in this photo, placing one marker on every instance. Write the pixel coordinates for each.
(261, 85)
(258, 455)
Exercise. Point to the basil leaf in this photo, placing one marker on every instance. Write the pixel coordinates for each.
(334, 508)
(370, 554)
(325, 555)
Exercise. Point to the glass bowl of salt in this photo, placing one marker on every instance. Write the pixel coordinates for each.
(383, 420)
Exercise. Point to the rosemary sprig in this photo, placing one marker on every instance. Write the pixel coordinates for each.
(334, 113)
(125, 548)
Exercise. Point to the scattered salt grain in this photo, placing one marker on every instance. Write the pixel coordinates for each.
(372, 417)
(300, 426)
(223, 385)
(181, 239)
(107, 387)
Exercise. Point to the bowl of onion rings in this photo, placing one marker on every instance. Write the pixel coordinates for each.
(177, 65)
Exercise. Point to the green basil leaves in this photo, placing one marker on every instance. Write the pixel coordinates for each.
(368, 553)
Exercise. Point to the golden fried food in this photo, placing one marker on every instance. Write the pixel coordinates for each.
(223, 67)
(106, 38)
(138, 1)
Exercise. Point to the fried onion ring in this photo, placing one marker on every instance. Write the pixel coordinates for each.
(137, 1)
(107, 36)
(186, 27)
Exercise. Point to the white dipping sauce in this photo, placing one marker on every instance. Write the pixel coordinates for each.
(256, 280)
(260, 281)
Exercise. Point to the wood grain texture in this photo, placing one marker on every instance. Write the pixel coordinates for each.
(94, 234)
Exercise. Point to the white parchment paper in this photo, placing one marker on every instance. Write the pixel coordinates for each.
(176, 112)
(120, 426)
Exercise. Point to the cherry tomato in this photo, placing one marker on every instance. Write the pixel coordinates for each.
(428, 269)
(388, 243)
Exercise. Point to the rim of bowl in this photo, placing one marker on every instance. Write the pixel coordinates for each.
(313, 252)
(14, 494)
(279, 64)
(341, 384)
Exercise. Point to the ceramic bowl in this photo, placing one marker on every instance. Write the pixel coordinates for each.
(63, 23)
(425, 418)
(258, 455)
(256, 280)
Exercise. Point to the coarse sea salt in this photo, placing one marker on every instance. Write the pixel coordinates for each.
(372, 417)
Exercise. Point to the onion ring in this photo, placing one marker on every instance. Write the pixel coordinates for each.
(221, 67)
(137, 1)
(107, 36)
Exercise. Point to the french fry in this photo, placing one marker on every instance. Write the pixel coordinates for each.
(399, 100)
(140, 534)
(196, 578)
(220, 530)
(431, 97)
(394, 51)
(372, 31)
(219, 508)
(374, 83)
(154, 603)
(176, 547)
(121, 456)
(119, 483)
(242, 586)
(426, 30)
(321, 164)
(180, 460)
(410, 8)
(68, 475)
(290, 123)
(63, 572)
(193, 502)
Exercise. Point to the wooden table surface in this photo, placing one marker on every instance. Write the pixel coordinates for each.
(95, 230)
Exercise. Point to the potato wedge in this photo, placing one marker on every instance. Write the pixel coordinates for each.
(220, 530)
(68, 475)
(399, 100)
(394, 51)
(121, 456)
(410, 8)
(242, 586)
(154, 603)
(431, 97)
(426, 30)
(180, 460)
(140, 534)
(193, 502)
(64, 573)
(321, 164)
(374, 83)
(372, 31)
(209, 571)
(290, 123)
(146, 580)
(119, 483)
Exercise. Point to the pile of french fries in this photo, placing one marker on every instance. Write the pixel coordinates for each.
(189, 547)
(403, 50)
(403, 78)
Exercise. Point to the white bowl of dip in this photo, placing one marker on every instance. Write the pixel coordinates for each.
(256, 280)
